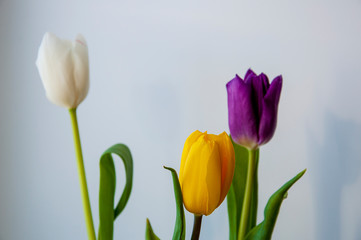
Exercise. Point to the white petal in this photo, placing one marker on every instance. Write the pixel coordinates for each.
(64, 70)
(81, 68)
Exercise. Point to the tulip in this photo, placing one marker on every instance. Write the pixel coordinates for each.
(64, 69)
(252, 108)
(206, 171)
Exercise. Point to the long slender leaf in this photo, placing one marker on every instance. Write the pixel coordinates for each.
(107, 214)
(233, 219)
(180, 224)
(149, 233)
(263, 231)
(236, 192)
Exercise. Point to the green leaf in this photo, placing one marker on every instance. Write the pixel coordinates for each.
(263, 231)
(149, 234)
(236, 192)
(107, 214)
(180, 224)
(233, 219)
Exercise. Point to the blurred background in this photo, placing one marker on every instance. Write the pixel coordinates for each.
(158, 71)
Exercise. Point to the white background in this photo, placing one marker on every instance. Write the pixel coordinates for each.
(158, 72)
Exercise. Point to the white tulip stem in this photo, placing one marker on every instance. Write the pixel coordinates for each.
(82, 178)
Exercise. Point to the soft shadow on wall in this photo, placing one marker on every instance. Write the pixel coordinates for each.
(335, 162)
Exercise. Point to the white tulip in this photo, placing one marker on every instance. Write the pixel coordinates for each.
(64, 70)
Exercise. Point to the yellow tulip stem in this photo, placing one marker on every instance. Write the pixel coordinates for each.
(196, 226)
(82, 178)
(247, 195)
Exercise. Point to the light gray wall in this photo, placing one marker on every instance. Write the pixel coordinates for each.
(158, 72)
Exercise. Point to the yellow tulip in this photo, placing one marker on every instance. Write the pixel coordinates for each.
(206, 171)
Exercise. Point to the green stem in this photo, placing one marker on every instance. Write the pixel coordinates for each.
(196, 226)
(248, 194)
(82, 178)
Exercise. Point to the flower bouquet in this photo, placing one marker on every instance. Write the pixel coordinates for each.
(212, 167)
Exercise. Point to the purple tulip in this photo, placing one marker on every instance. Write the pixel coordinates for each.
(252, 108)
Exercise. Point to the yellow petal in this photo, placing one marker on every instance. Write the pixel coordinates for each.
(201, 182)
(228, 161)
(187, 145)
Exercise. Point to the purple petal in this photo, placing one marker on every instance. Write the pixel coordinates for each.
(249, 75)
(265, 82)
(268, 121)
(237, 77)
(259, 89)
(241, 116)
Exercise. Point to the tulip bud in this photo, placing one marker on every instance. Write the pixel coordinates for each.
(206, 171)
(64, 70)
(252, 108)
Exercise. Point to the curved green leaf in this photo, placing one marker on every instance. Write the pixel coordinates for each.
(236, 192)
(107, 214)
(180, 224)
(263, 231)
(149, 234)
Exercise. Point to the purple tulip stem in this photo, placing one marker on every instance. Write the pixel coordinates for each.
(248, 194)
